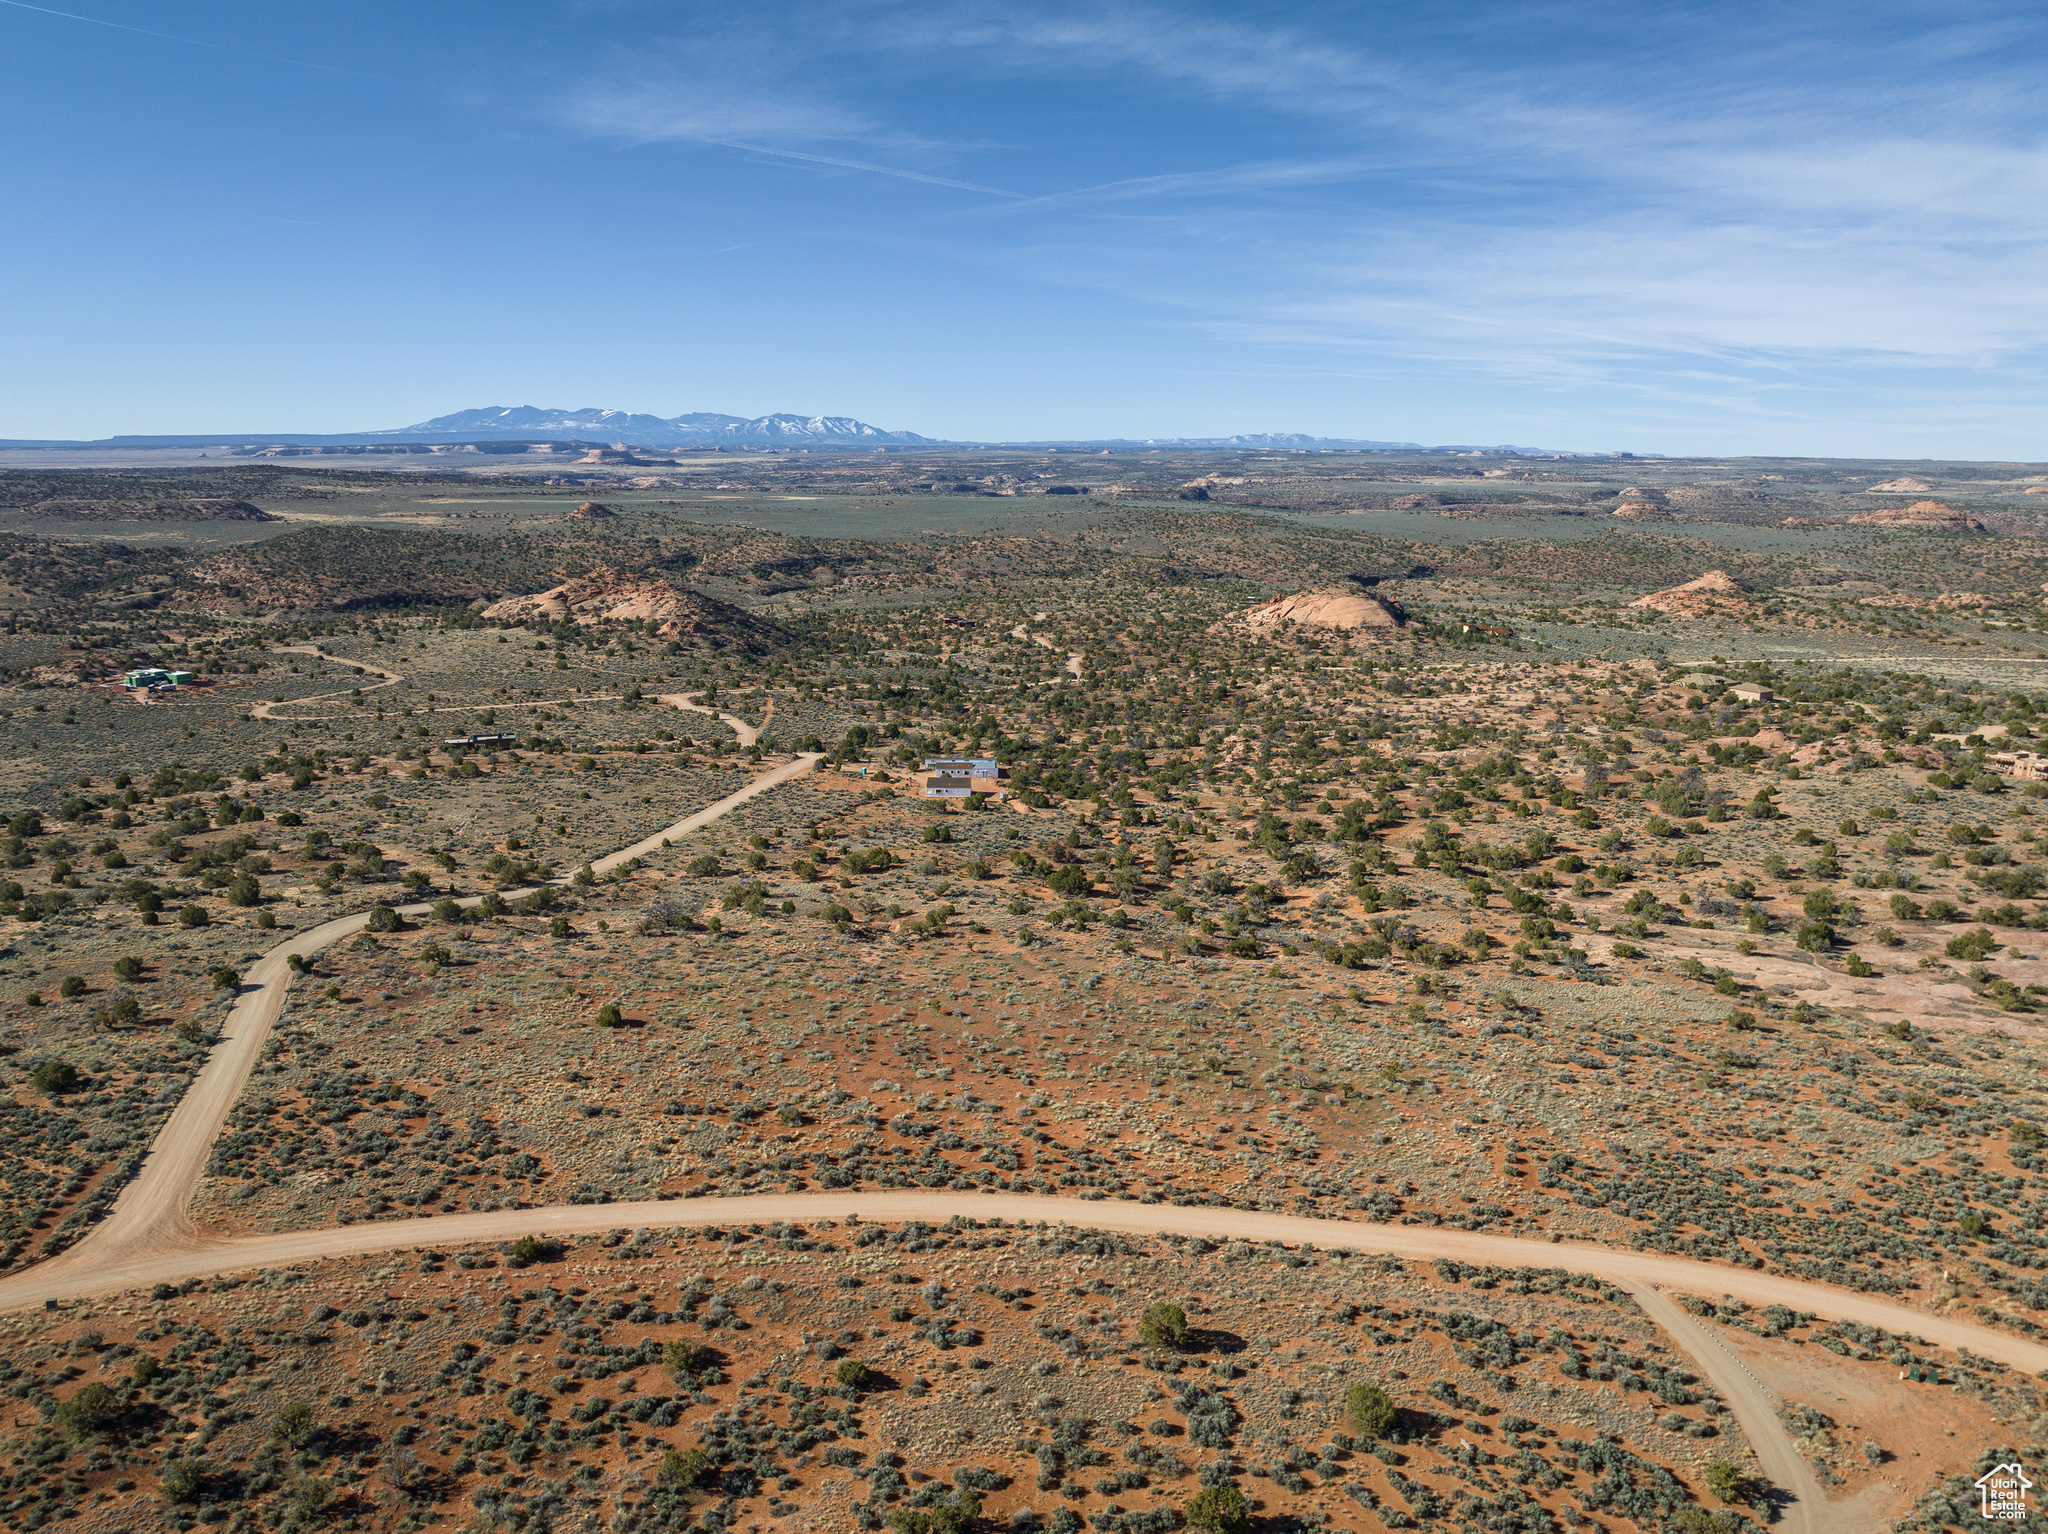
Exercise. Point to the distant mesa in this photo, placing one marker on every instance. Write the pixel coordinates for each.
(1921, 516)
(614, 455)
(1637, 510)
(1350, 611)
(1915, 485)
(1716, 591)
(2035, 490)
(592, 510)
(152, 511)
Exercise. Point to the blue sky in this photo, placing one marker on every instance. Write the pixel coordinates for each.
(1725, 228)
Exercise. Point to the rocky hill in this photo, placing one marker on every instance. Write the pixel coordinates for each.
(1350, 611)
(606, 595)
(152, 511)
(1716, 591)
(1921, 516)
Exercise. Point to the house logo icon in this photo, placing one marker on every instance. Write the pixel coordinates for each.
(2004, 1493)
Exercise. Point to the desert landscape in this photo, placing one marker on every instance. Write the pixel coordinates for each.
(1483, 997)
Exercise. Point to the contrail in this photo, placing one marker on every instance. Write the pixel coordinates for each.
(195, 42)
(819, 159)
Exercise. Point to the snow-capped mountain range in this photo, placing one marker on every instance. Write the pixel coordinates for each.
(700, 429)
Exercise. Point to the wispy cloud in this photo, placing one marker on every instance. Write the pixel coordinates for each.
(1540, 194)
(653, 104)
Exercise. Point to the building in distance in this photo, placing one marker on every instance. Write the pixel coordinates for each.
(156, 678)
(958, 777)
(2029, 765)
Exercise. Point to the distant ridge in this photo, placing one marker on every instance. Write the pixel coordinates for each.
(483, 428)
(701, 429)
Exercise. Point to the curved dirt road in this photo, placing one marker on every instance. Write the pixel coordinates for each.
(1805, 1508)
(746, 733)
(149, 1216)
(391, 679)
(171, 1253)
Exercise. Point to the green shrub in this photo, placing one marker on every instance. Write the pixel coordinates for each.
(686, 1360)
(1727, 1482)
(854, 1374)
(54, 1078)
(1370, 1410)
(71, 987)
(1070, 880)
(193, 916)
(1815, 936)
(384, 919)
(182, 1480)
(94, 1410)
(1164, 1326)
(681, 1468)
(609, 1015)
(944, 1518)
(1974, 946)
(310, 1498)
(1218, 1510)
(293, 1425)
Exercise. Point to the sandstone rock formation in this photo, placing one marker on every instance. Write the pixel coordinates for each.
(1351, 611)
(1716, 591)
(1916, 485)
(614, 596)
(1924, 516)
